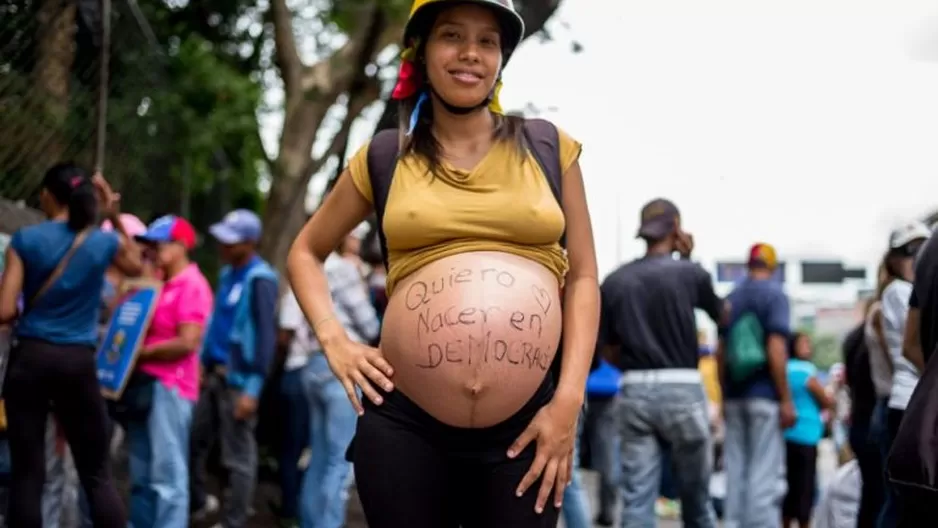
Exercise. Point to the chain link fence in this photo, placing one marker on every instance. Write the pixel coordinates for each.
(51, 53)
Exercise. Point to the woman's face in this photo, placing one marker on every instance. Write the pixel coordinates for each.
(803, 347)
(463, 54)
(162, 255)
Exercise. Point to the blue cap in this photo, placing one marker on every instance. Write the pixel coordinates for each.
(170, 228)
(237, 227)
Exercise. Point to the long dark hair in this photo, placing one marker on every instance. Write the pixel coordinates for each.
(890, 264)
(71, 187)
(422, 142)
(793, 340)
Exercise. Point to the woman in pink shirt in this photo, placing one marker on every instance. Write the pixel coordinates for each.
(168, 365)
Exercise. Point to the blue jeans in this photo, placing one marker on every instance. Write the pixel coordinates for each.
(754, 457)
(159, 462)
(654, 413)
(576, 503)
(295, 409)
(332, 426)
(604, 449)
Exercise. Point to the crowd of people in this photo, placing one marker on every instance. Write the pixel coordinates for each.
(664, 411)
(453, 361)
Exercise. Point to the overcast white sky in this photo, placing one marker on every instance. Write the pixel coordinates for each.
(809, 125)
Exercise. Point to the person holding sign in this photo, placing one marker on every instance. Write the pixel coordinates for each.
(59, 266)
(159, 445)
(239, 349)
(471, 401)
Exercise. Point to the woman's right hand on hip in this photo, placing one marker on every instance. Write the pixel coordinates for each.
(358, 365)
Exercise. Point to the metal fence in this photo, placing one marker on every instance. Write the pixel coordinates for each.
(51, 54)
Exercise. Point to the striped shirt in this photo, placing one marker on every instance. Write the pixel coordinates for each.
(353, 307)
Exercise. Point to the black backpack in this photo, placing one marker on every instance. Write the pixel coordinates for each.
(541, 138)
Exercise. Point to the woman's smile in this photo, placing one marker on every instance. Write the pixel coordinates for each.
(466, 77)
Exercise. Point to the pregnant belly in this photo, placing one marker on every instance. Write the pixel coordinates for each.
(472, 336)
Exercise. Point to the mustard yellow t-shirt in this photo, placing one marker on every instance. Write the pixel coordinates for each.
(504, 204)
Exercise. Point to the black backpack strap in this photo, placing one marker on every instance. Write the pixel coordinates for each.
(382, 160)
(543, 141)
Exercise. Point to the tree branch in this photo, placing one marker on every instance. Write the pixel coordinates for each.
(364, 95)
(288, 58)
(361, 88)
(335, 74)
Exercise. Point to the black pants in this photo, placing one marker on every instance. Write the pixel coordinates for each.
(870, 463)
(41, 374)
(413, 471)
(801, 473)
(213, 419)
(889, 515)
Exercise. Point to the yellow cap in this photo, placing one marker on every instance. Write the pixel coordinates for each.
(763, 254)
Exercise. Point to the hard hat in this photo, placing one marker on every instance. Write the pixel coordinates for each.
(511, 22)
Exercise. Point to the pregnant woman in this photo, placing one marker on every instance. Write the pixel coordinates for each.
(464, 422)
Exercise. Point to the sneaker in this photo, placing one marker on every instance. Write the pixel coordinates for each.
(210, 507)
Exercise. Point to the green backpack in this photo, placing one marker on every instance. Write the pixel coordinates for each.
(745, 348)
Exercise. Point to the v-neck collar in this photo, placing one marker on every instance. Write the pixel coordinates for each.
(465, 173)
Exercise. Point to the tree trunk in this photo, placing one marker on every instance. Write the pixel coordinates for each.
(310, 93)
(55, 34)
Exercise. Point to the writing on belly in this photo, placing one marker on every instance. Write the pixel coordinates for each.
(488, 332)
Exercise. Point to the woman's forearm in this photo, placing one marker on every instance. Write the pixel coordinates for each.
(309, 284)
(580, 325)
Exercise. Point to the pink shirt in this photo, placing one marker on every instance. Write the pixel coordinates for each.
(186, 298)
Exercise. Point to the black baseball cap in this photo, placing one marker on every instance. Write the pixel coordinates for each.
(659, 217)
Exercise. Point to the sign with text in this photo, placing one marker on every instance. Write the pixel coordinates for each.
(129, 323)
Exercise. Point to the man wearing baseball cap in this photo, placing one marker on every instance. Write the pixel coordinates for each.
(169, 363)
(236, 357)
(757, 403)
(648, 330)
(659, 219)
